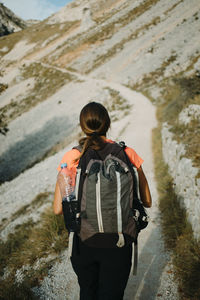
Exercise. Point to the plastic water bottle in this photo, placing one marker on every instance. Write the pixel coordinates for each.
(69, 182)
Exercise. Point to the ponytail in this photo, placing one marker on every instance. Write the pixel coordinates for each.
(95, 122)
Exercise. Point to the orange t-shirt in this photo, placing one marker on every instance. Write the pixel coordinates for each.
(72, 154)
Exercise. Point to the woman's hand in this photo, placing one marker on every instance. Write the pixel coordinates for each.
(145, 195)
(57, 204)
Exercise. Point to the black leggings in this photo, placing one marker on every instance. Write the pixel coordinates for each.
(102, 273)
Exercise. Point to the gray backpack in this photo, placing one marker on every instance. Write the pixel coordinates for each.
(107, 189)
(106, 212)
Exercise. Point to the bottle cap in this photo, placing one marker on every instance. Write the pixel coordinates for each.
(64, 165)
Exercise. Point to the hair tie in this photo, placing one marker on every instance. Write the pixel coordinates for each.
(94, 133)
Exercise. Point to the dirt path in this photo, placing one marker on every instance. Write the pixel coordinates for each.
(154, 280)
(137, 132)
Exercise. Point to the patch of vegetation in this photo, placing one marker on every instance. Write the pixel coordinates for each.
(80, 42)
(47, 82)
(177, 96)
(3, 87)
(106, 31)
(3, 124)
(177, 93)
(189, 135)
(9, 41)
(154, 78)
(36, 33)
(29, 244)
(40, 199)
(173, 6)
(137, 11)
(117, 106)
(42, 31)
(131, 15)
(177, 231)
(102, 15)
(119, 46)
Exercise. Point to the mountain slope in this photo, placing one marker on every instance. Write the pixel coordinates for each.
(9, 22)
(129, 42)
(103, 51)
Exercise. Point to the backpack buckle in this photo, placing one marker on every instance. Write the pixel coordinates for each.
(146, 218)
(136, 214)
(122, 144)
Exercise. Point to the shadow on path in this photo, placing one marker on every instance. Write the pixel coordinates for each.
(24, 154)
(151, 263)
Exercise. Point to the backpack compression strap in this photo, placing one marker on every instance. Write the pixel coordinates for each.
(135, 248)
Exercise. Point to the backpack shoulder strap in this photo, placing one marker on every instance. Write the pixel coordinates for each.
(110, 148)
(79, 148)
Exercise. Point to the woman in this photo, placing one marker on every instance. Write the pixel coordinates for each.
(102, 272)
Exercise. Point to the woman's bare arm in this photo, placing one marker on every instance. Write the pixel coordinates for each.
(57, 204)
(145, 195)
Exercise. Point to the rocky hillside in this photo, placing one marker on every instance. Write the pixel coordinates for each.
(101, 50)
(9, 22)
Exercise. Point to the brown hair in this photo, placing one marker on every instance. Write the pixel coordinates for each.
(94, 122)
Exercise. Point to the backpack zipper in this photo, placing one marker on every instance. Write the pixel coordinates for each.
(98, 204)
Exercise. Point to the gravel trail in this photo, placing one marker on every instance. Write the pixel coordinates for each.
(160, 42)
(155, 273)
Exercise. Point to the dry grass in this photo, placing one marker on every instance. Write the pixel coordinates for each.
(117, 106)
(68, 58)
(155, 77)
(174, 217)
(119, 46)
(177, 96)
(189, 135)
(104, 13)
(3, 87)
(9, 41)
(72, 50)
(177, 230)
(137, 11)
(47, 82)
(103, 33)
(3, 123)
(35, 34)
(24, 247)
(173, 7)
(27, 209)
(42, 31)
(131, 15)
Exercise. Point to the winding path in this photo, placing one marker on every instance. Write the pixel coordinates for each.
(136, 130)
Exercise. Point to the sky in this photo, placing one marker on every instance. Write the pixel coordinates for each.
(34, 9)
